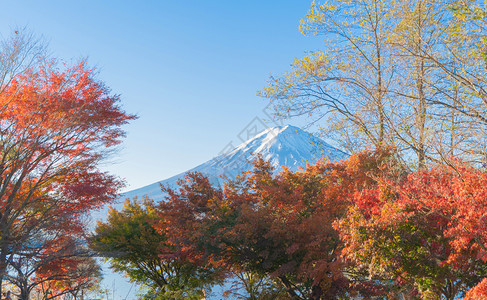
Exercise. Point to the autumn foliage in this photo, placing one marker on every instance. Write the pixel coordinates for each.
(363, 226)
(280, 226)
(56, 125)
(423, 232)
(64, 267)
(135, 248)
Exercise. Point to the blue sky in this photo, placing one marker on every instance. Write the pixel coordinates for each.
(189, 69)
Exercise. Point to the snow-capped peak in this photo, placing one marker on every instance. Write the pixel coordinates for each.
(287, 146)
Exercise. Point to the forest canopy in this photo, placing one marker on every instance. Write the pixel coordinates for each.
(402, 86)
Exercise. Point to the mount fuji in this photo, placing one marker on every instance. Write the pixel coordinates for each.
(282, 146)
(287, 146)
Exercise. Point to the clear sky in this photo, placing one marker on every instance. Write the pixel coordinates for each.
(189, 69)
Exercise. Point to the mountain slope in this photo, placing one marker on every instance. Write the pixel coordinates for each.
(282, 146)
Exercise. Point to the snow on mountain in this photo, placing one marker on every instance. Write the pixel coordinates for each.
(282, 146)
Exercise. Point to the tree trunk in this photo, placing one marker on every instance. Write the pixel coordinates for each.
(3, 268)
(289, 288)
(422, 103)
(24, 289)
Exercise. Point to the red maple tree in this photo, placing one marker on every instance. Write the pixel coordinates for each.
(56, 124)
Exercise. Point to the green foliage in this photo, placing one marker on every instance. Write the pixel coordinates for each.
(134, 247)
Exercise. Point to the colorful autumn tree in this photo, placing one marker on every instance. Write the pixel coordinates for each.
(132, 246)
(56, 263)
(422, 232)
(284, 231)
(56, 125)
(477, 292)
(279, 226)
(65, 268)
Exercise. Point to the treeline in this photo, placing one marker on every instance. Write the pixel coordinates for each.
(364, 227)
(406, 78)
(405, 220)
